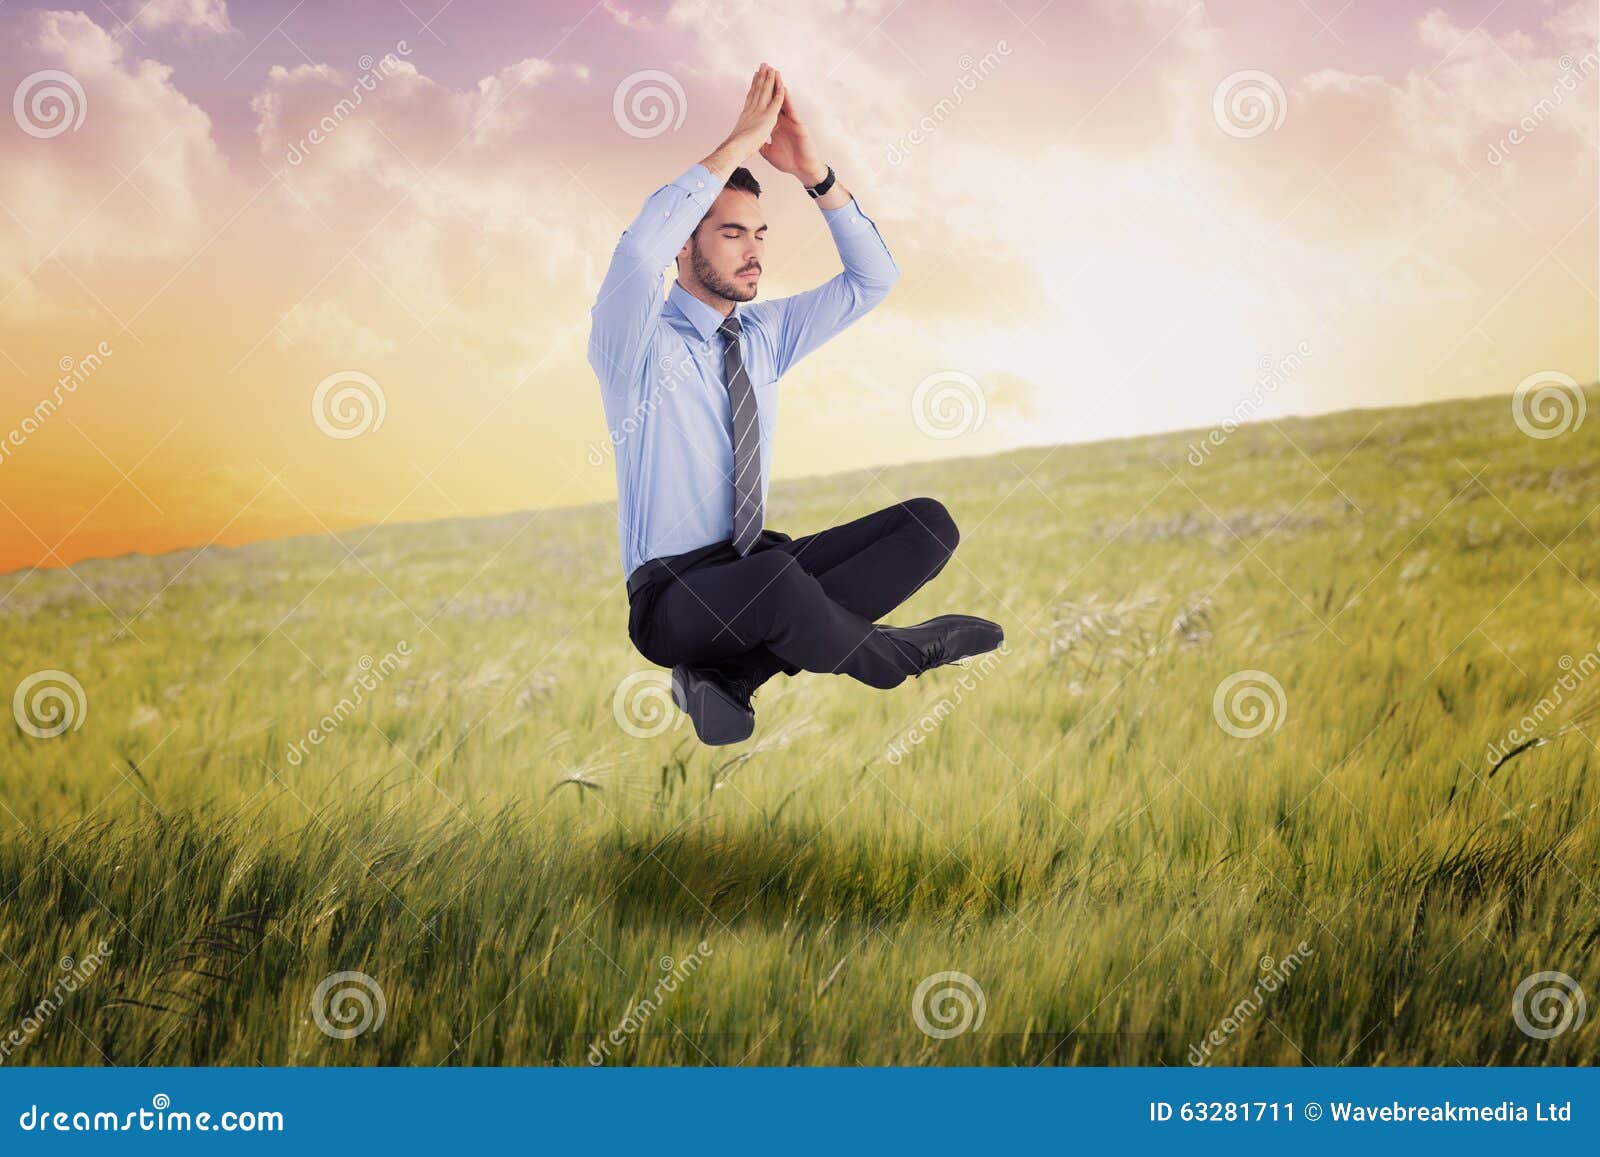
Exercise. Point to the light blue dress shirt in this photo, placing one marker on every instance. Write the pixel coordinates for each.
(660, 366)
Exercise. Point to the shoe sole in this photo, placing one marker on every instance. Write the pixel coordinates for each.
(718, 720)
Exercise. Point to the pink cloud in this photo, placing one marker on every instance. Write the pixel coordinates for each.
(137, 180)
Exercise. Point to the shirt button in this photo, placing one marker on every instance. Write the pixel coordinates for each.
(668, 213)
(699, 184)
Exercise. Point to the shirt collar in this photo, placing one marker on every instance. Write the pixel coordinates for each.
(700, 315)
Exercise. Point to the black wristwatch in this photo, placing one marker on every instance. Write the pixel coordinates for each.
(822, 186)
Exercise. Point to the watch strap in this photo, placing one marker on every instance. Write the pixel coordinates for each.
(822, 186)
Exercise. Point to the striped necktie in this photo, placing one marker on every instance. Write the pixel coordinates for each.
(746, 442)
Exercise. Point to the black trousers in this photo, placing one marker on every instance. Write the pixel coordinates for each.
(793, 604)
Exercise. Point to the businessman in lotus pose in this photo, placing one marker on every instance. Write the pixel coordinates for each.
(690, 391)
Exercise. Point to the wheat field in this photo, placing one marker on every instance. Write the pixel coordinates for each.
(407, 795)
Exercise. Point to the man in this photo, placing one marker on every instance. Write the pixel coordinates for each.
(690, 397)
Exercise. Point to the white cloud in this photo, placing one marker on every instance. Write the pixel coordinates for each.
(624, 16)
(329, 328)
(192, 17)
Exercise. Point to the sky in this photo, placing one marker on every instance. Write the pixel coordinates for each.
(237, 302)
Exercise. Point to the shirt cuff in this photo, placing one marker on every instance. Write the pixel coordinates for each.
(847, 218)
(698, 182)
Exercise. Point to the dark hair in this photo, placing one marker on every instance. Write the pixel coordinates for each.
(743, 180)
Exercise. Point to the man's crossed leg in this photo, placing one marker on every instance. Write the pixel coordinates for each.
(726, 623)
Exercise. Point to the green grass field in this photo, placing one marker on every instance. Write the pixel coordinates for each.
(519, 842)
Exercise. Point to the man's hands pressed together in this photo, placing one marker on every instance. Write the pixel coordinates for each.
(770, 124)
(755, 124)
(790, 149)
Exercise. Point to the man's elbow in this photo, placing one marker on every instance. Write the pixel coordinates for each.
(871, 290)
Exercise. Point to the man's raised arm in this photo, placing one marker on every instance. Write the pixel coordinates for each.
(806, 320)
(629, 304)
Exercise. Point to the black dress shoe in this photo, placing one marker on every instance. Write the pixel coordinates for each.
(947, 639)
(718, 707)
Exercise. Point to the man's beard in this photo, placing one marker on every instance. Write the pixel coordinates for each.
(714, 281)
